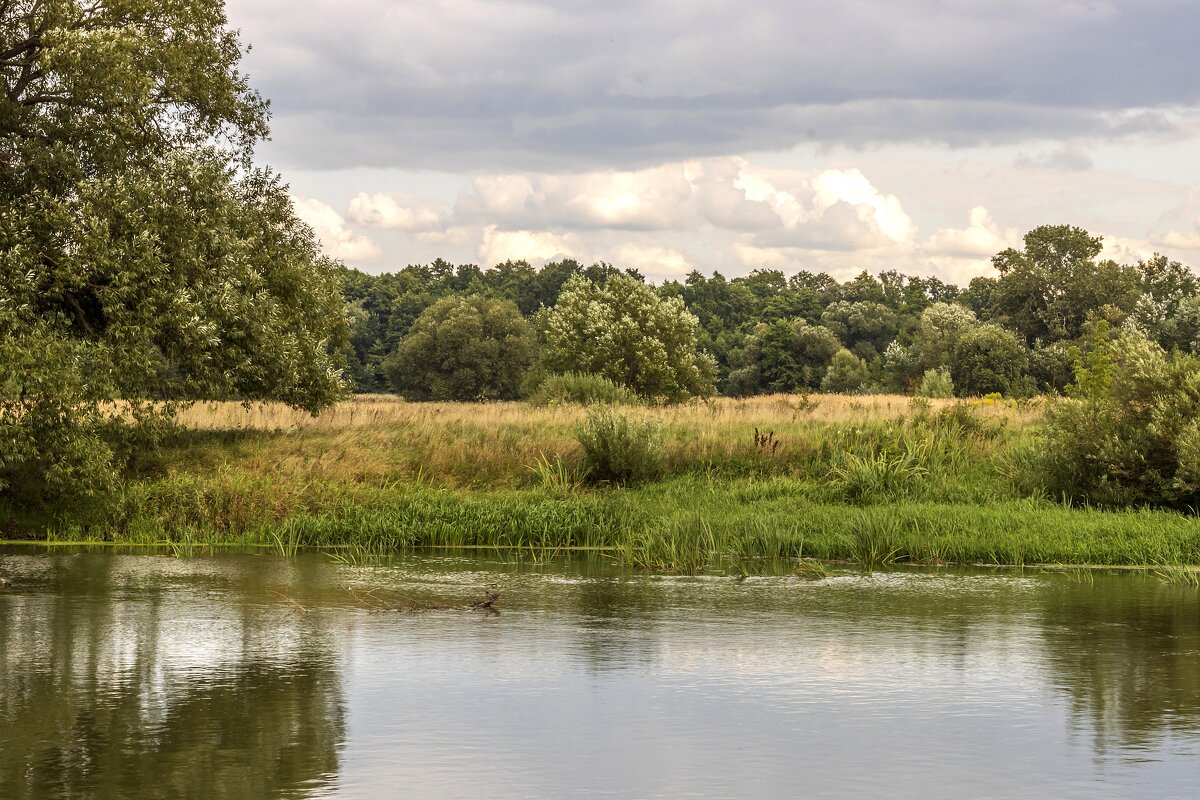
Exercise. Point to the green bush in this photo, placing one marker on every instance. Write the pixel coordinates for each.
(936, 383)
(463, 348)
(987, 359)
(617, 449)
(1130, 434)
(584, 389)
(847, 373)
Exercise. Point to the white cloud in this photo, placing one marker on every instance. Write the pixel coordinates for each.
(1126, 250)
(662, 262)
(536, 247)
(852, 188)
(1179, 228)
(981, 239)
(658, 198)
(961, 254)
(397, 212)
(737, 214)
(337, 239)
(1179, 240)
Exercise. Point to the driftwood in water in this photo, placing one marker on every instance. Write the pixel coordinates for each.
(371, 601)
(486, 602)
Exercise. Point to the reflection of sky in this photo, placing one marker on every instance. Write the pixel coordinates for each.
(924, 685)
(690, 703)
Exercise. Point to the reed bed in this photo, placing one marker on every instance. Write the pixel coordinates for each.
(680, 525)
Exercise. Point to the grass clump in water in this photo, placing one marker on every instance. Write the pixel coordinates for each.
(1178, 574)
(874, 539)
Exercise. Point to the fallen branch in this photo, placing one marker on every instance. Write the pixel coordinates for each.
(486, 602)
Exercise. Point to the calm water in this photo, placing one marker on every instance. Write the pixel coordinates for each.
(243, 676)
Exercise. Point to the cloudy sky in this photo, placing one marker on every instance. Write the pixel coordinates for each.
(669, 135)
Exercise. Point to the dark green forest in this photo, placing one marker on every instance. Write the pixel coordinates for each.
(1020, 333)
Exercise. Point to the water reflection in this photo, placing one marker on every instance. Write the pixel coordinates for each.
(1126, 651)
(132, 677)
(251, 676)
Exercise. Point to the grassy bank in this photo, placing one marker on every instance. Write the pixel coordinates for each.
(869, 479)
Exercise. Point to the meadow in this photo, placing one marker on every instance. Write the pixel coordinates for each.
(745, 484)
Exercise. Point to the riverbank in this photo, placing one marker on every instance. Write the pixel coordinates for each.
(867, 479)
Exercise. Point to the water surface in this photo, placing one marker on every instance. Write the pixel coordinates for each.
(252, 676)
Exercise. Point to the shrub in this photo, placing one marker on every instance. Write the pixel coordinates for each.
(936, 383)
(463, 348)
(1130, 435)
(617, 449)
(847, 373)
(582, 388)
(987, 359)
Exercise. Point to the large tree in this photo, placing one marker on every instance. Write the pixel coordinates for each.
(463, 348)
(1051, 287)
(624, 331)
(142, 256)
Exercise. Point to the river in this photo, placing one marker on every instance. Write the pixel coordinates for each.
(255, 676)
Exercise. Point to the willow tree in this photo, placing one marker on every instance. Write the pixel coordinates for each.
(625, 332)
(143, 258)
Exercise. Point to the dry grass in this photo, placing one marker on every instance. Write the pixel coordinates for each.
(370, 411)
(379, 439)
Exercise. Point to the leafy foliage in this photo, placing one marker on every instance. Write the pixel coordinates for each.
(936, 383)
(627, 333)
(576, 387)
(988, 359)
(782, 357)
(847, 373)
(463, 348)
(1049, 289)
(1131, 433)
(142, 258)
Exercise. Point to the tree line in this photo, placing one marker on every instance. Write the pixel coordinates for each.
(448, 332)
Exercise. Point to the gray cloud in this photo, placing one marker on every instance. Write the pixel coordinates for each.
(488, 84)
(1070, 159)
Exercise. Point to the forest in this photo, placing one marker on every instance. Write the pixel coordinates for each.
(1018, 334)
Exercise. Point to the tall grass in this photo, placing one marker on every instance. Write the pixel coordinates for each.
(684, 524)
(868, 480)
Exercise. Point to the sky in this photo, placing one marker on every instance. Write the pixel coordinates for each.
(731, 135)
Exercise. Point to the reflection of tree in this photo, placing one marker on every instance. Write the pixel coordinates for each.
(102, 697)
(1126, 652)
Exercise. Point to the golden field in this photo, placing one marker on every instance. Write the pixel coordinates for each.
(381, 438)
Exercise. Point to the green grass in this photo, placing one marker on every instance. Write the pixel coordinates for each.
(685, 524)
(873, 486)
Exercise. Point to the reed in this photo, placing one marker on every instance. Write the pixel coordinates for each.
(1177, 574)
